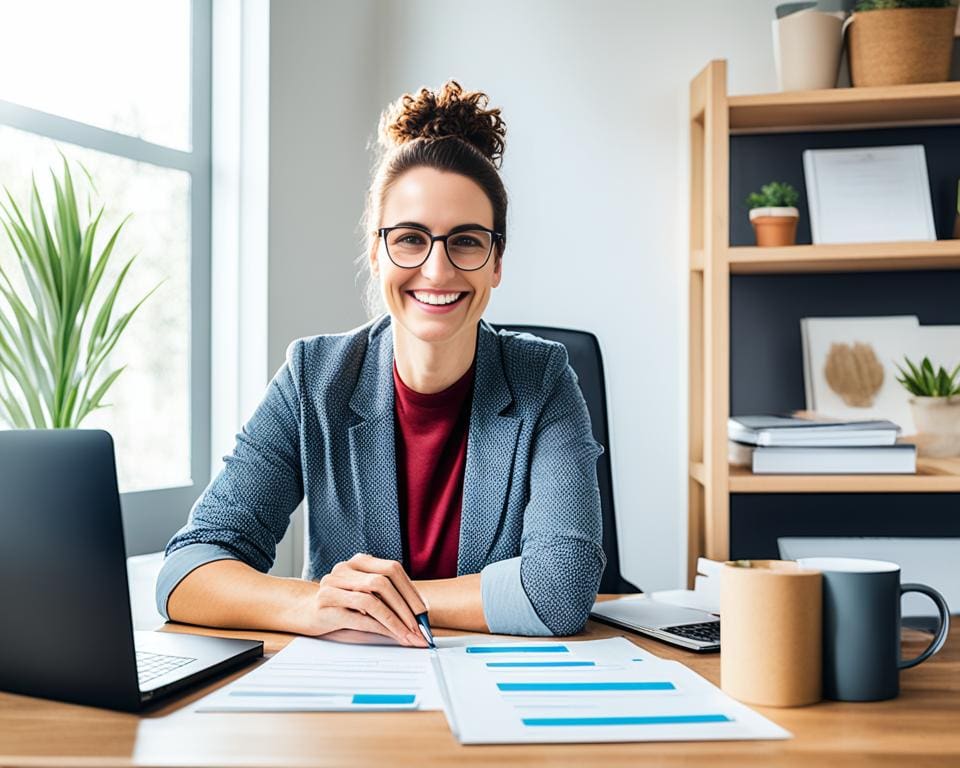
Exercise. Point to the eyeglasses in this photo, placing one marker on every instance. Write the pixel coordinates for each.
(468, 249)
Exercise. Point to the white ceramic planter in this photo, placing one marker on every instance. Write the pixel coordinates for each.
(775, 211)
(937, 421)
(806, 49)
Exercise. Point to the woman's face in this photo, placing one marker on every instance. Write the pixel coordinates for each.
(438, 202)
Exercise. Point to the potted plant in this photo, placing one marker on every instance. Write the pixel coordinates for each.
(892, 42)
(56, 328)
(773, 214)
(935, 405)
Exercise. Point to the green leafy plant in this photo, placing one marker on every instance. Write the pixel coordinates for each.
(54, 343)
(884, 5)
(923, 381)
(776, 194)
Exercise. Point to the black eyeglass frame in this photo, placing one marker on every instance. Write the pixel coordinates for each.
(495, 237)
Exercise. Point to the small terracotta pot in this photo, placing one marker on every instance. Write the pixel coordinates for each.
(894, 46)
(937, 420)
(775, 226)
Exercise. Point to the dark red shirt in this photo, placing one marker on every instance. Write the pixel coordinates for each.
(431, 446)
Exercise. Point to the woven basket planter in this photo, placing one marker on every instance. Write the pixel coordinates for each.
(901, 45)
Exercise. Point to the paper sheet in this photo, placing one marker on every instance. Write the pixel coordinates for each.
(313, 675)
(868, 194)
(495, 692)
(587, 691)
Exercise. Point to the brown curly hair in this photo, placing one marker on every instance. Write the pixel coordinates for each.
(449, 129)
(449, 112)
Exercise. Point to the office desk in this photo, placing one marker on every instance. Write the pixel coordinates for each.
(921, 727)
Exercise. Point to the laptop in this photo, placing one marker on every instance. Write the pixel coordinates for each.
(67, 627)
(687, 628)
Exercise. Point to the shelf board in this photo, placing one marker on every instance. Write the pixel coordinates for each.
(933, 476)
(698, 472)
(836, 108)
(847, 257)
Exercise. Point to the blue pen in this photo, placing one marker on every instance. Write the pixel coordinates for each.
(425, 629)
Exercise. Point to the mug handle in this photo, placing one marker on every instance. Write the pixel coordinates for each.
(846, 25)
(941, 637)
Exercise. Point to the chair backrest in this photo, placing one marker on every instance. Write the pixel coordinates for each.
(583, 350)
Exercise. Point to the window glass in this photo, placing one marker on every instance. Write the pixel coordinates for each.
(114, 64)
(149, 417)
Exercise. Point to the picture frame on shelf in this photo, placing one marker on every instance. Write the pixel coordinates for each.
(869, 194)
(849, 367)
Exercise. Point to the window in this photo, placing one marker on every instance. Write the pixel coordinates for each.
(124, 89)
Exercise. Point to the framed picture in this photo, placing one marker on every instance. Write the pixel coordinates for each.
(941, 343)
(850, 366)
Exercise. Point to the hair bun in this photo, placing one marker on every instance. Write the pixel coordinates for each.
(449, 111)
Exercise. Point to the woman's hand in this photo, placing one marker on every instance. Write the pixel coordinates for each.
(369, 594)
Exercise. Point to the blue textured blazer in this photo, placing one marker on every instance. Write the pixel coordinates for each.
(530, 523)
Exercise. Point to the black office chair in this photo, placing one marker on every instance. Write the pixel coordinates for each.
(583, 350)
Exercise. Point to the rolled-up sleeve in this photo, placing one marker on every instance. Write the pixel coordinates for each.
(551, 587)
(245, 511)
(506, 607)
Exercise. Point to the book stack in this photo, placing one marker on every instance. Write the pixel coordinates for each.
(791, 445)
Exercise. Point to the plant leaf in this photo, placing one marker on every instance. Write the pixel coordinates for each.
(99, 328)
(101, 264)
(45, 245)
(9, 360)
(94, 401)
(14, 414)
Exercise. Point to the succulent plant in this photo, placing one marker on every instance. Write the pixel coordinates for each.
(776, 194)
(924, 381)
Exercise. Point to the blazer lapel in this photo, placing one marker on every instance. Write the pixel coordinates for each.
(491, 447)
(372, 448)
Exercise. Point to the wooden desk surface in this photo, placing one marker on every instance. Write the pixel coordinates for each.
(921, 727)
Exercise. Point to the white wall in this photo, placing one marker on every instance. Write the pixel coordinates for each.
(323, 60)
(323, 63)
(594, 95)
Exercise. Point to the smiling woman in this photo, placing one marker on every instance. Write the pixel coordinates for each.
(445, 465)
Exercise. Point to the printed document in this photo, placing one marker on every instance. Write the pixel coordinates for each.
(313, 675)
(496, 692)
(868, 194)
(587, 691)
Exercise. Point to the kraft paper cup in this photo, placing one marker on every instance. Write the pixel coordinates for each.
(771, 651)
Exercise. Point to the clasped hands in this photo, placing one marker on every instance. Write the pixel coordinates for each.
(368, 594)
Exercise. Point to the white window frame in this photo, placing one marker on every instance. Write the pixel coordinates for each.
(151, 516)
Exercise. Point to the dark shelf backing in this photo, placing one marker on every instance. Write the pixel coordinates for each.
(757, 159)
(757, 519)
(766, 361)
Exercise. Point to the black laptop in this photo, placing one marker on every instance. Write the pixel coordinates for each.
(67, 631)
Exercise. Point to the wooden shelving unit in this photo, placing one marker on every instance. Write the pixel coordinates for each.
(714, 118)
(933, 476)
(852, 257)
(837, 108)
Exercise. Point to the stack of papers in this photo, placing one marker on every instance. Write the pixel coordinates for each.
(492, 692)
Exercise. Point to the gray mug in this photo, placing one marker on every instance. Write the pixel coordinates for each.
(861, 627)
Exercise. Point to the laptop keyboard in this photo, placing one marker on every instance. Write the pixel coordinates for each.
(707, 632)
(152, 665)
